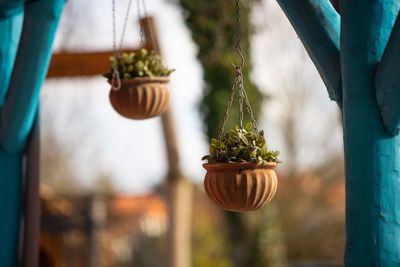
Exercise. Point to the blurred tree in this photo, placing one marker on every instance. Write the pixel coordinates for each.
(213, 25)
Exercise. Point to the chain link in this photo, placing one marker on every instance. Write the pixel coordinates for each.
(241, 96)
(238, 83)
(250, 111)
(115, 80)
(228, 107)
(124, 27)
(237, 21)
(114, 29)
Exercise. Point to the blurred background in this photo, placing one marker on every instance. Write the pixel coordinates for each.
(109, 195)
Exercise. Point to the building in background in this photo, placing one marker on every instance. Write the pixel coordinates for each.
(88, 231)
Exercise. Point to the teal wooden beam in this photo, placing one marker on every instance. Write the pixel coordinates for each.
(372, 155)
(10, 207)
(11, 8)
(388, 82)
(11, 19)
(10, 29)
(21, 80)
(318, 25)
(41, 19)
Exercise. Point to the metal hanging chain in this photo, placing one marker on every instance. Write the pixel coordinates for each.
(237, 33)
(228, 107)
(241, 99)
(249, 110)
(124, 27)
(238, 82)
(116, 79)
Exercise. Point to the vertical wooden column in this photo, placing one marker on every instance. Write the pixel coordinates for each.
(179, 188)
(30, 254)
(97, 219)
(372, 154)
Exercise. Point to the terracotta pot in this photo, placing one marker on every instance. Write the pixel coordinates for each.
(141, 98)
(240, 186)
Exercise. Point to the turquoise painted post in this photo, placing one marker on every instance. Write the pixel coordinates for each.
(10, 165)
(10, 207)
(370, 104)
(24, 59)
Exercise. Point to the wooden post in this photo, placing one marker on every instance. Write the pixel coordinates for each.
(30, 253)
(179, 189)
(97, 219)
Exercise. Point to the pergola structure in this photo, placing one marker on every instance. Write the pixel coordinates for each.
(355, 48)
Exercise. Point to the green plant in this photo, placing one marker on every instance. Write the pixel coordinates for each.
(241, 145)
(140, 64)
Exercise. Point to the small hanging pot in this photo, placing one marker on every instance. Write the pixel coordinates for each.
(139, 80)
(141, 98)
(243, 186)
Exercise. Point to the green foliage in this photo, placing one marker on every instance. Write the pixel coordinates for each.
(212, 24)
(241, 145)
(140, 64)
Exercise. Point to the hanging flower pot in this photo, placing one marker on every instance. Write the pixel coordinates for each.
(141, 98)
(139, 85)
(240, 170)
(242, 186)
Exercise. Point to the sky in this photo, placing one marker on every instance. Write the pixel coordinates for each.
(102, 142)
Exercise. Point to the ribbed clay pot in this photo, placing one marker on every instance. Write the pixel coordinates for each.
(240, 186)
(141, 98)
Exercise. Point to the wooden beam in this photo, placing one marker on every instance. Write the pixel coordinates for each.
(66, 64)
(79, 64)
(178, 186)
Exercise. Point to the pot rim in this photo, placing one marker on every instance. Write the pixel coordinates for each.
(238, 166)
(139, 80)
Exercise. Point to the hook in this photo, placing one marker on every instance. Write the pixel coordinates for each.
(242, 60)
(115, 81)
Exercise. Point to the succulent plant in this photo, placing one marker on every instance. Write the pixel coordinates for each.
(140, 64)
(241, 145)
